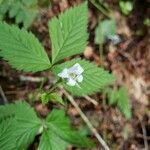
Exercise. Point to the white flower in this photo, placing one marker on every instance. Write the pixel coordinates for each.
(115, 39)
(73, 75)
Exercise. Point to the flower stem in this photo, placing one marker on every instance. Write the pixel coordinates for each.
(86, 120)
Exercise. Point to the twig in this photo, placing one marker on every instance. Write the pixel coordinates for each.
(31, 79)
(86, 120)
(100, 8)
(144, 136)
(93, 101)
(3, 95)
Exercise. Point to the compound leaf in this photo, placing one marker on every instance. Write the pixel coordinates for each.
(22, 50)
(94, 78)
(59, 126)
(68, 32)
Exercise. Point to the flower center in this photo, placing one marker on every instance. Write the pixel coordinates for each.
(72, 75)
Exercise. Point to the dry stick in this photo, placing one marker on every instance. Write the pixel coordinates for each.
(144, 136)
(93, 101)
(99, 138)
(3, 95)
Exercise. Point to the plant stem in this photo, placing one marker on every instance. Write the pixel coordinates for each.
(54, 86)
(101, 53)
(86, 120)
(100, 8)
(3, 95)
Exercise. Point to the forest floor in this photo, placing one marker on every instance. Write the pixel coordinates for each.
(129, 61)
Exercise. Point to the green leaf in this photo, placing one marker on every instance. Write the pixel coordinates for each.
(23, 11)
(6, 132)
(14, 9)
(119, 97)
(123, 102)
(126, 6)
(54, 97)
(94, 78)
(68, 32)
(113, 97)
(104, 29)
(22, 50)
(7, 111)
(50, 141)
(25, 125)
(59, 125)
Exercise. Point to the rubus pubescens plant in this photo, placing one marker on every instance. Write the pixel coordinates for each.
(22, 11)
(22, 50)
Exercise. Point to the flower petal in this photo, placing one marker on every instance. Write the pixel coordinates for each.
(76, 69)
(71, 82)
(64, 73)
(79, 68)
(80, 78)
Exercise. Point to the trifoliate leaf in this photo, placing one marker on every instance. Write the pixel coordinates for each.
(94, 78)
(105, 29)
(68, 32)
(59, 127)
(54, 97)
(22, 50)
(7, 142)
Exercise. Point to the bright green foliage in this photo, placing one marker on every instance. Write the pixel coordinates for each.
(18, 131)
(121, 99)
(24, 11)
(22, 127)
(50, 141)
(94, 78)
(27, 126)
(22, 50)
(6, 111)
(59, 125)
(103, 30)
(6, 132)
(54, 97)
(126, 6)
(68, 32)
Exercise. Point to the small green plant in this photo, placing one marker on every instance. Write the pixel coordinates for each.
(106, 30)
(23, 11)
(126, 6)
(119, 97)
(23, 51)
(19, 125)
(147, 22)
